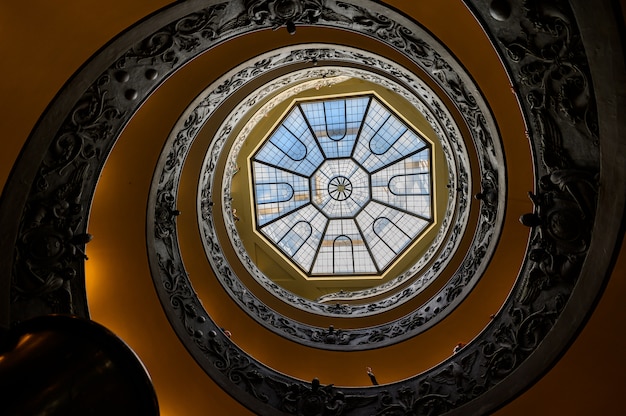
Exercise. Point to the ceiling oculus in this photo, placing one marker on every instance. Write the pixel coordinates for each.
(342, 186)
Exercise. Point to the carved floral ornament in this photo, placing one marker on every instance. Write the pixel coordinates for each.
(540, 46)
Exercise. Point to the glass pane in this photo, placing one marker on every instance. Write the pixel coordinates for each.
(343, 186)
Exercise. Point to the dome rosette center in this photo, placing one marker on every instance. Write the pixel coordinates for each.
(340, 188)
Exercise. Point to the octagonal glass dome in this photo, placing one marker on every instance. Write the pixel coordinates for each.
(342, 186)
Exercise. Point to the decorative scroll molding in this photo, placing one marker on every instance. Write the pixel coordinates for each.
(50, 249)
(562, 131)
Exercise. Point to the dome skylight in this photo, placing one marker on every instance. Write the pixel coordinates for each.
(342, 186)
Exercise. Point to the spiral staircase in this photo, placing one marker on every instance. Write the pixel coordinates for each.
(128, 200)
